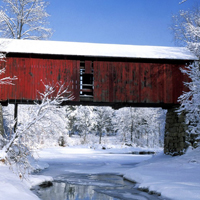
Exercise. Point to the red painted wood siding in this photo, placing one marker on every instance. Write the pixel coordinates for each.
(131, 82)
(31, 72)
(138, 82)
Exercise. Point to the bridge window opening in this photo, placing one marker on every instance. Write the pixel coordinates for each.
(86, 81)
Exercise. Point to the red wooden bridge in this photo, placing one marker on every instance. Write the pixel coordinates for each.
(97, 74)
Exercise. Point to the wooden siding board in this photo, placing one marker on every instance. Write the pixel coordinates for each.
(122, 86)
(25, 89)
(88, 67)
(134, 84)
(118, 87)
(34, 81)
(160, 83)
(111, 82)
(152, 83)
(168, 84)
(126, 82)
(20, 84)
(105, 85)
(101, 81)
(115, 82)
(177, 80)
(142, 90)
(26, 75)
(139, 81)
(145, 71)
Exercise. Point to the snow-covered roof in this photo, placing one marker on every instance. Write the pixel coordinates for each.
(94, 49)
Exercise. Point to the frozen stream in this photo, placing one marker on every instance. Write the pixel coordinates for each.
(90, 175)
(92, 187)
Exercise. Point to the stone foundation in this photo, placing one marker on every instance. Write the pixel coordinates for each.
(175, 133)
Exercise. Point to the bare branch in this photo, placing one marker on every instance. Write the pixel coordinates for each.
(24, 19)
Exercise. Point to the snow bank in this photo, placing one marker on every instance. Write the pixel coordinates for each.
(174, 177)
(35, 180)
(92, 49)
(11, 187)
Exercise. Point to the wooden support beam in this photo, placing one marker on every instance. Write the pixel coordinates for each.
(16, 116)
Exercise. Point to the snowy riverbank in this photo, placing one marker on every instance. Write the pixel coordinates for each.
(11, 187)
(173, 177)
(177, 178)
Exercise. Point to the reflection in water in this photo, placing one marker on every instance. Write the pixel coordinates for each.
(92, 187)
(63, 191)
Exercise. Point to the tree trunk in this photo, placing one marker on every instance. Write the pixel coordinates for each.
(100, 136)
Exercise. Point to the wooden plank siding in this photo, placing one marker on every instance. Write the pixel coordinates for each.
(115, 80)
(33, 73)
(138, 82)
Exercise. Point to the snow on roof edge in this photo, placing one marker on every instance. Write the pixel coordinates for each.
(94, 49)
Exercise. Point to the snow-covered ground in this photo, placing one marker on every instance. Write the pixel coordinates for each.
(175, 177)
(11, 187)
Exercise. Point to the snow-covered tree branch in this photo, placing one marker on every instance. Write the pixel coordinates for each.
(6, 80)
(24, 19)
(128, 126)
(186, 29)
(139, 126)
(190, 102)
(20, 147)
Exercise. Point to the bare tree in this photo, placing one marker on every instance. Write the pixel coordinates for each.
(24, 19)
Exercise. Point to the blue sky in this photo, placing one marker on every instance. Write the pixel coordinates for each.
(139, 22)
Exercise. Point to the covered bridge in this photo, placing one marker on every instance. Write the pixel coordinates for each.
(97, 74)
(101, 74)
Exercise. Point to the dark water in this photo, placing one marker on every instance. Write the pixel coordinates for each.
(73, 186)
